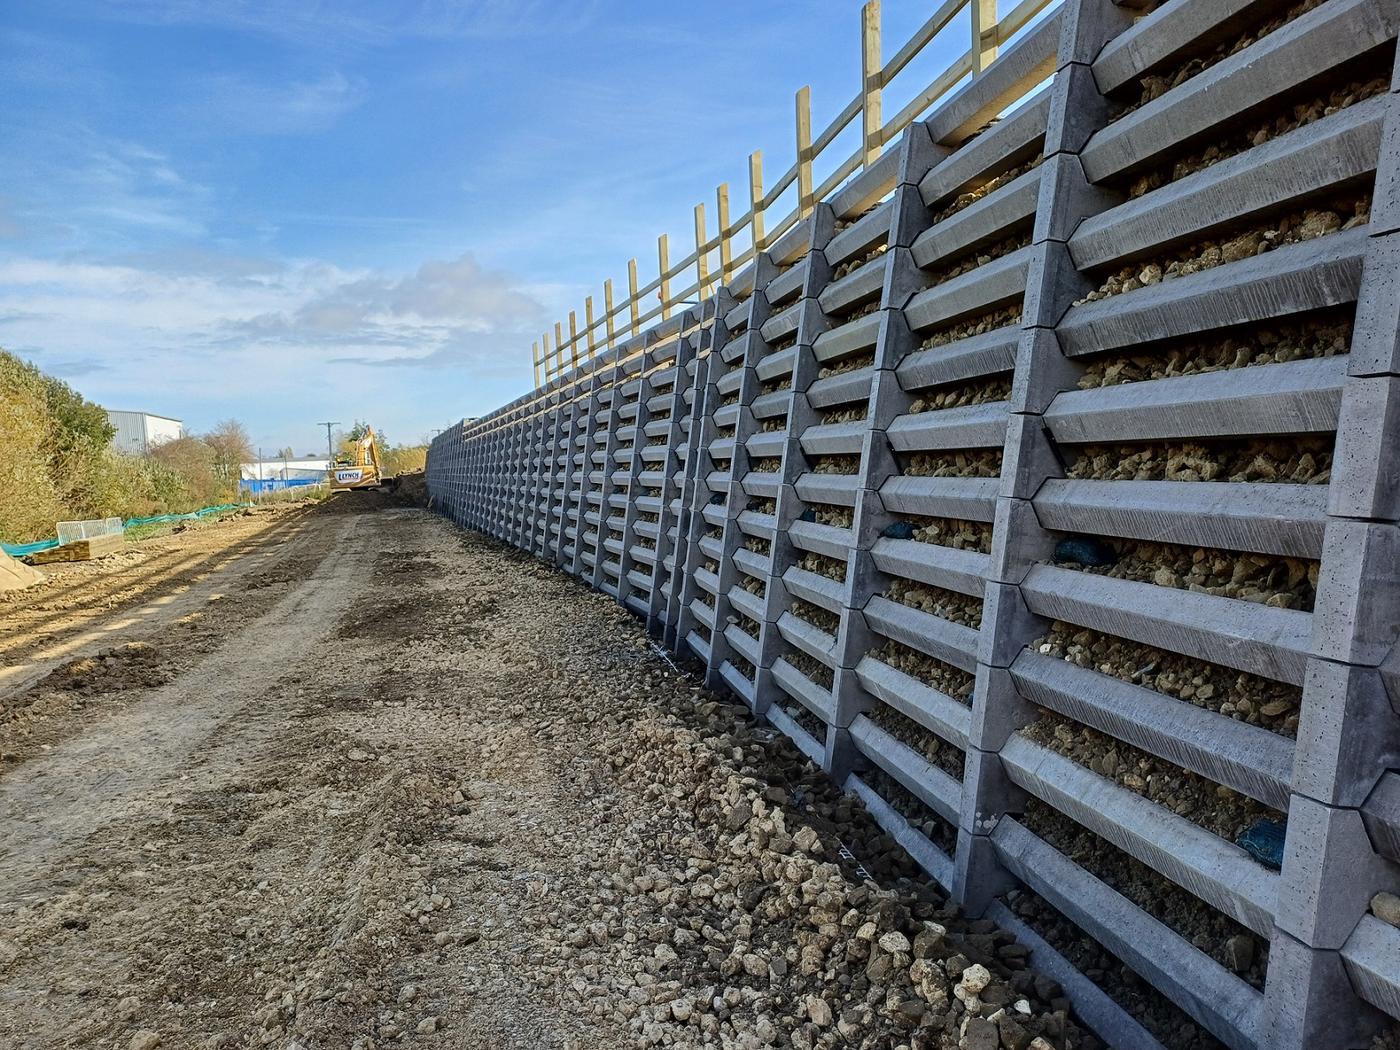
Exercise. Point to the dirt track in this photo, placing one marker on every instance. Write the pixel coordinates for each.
(429, 792)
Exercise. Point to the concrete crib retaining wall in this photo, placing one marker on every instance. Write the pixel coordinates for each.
(1042, 487)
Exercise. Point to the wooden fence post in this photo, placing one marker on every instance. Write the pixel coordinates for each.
(632, 297)
(663, 260)
(608, 312)
(984, 33)
(872, 81)
(726, 247)
(756, 200)
(804, 152)
(702, 259)
(589, 321)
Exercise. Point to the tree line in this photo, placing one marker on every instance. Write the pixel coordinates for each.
(57, 462)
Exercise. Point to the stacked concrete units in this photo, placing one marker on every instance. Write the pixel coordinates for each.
(1041, 485)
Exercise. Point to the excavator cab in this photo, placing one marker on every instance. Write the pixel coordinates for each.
(358, 468)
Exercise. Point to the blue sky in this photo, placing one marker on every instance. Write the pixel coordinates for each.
(341, 209)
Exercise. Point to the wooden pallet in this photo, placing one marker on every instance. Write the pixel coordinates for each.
(81, 550)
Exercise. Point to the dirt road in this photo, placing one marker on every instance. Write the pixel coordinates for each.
(351, 778)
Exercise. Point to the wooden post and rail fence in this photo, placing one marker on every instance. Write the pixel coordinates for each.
(736, 241)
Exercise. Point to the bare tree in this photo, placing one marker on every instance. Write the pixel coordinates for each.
(232, 448)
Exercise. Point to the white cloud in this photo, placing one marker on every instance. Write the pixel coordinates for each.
(359, 22)
(87, 190)
(229, 103)
(166, 328)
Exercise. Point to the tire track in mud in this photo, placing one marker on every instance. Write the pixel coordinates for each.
(69, 618)
(115, 770)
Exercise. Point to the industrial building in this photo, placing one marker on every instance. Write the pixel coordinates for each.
(140, 432)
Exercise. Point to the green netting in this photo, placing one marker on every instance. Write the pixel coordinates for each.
(19, 550)
(132, 523)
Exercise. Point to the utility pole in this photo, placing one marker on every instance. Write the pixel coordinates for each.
(331, 450)
(330, 447)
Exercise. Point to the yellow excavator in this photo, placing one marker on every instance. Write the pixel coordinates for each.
(359, 467)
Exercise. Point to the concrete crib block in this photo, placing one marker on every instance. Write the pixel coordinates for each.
(848, 699)
(1322, 272)
(1348, 734)
(1261, 640)
(895, 339)
(870, 519)
(1029, 457)
(806, 368)
(1077, 111)
(773, 366)
(1299, 397)
(864, 579)
(1086, 26)
(980, 877)
(1067, 200)
(856, 288)
(903, 278)
(935, 710)
(854, 638)
(842, 758)
(1252, 760)
(998, 709)
(918, 152)
(877, 460)
(1166, 33)
(909, 217)
(832, 439)
(866, 189)
(1365, 479)
(1330, 873)
(1385, 213)
(1007, 625)
(1372, 959)
(862, 235)
(789, 283)
(1000, 281)
(1375, 341)
(1309, 46)
(989, 219)
(970, 358)
(965, 427)
(887, 400)
(931, 785)
(1012, 141)
(1314, 158)
(845, 340)
(1025, 63)
(1265, 517)
(945, 641)
(946, 567)
(1218, 872)
(1052, 284)
(1381, 815)
(1311, 1004)
(1018, 541)
(781, 324)
(988, 793)
(1356, 618)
